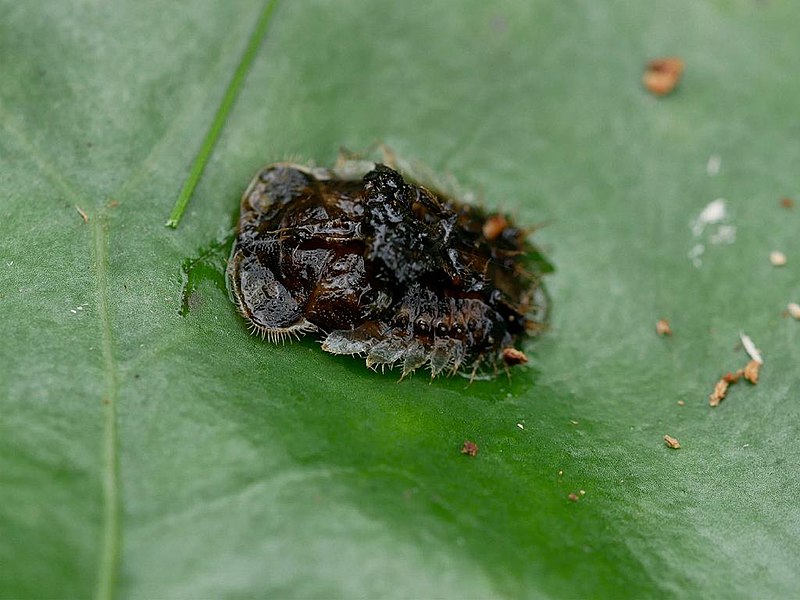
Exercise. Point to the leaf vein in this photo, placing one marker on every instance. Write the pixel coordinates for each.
(110, 543)
(210, 141)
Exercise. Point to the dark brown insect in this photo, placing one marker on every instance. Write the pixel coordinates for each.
(384, 268)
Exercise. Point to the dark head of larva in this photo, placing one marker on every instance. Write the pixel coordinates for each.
(386, 269)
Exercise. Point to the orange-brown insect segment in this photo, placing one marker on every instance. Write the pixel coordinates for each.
(513, 357)
(385, 268)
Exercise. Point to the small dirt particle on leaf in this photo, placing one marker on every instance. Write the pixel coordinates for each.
(718, 395)
(671, 442)
(751, 371)
(733, 377)
(82, 213)
(750, 348)
(787, 203)
(794, 310)
(663, 328)
(469, 448)
(661, 75)
(573, 497)
(777, 258)
(681, 403)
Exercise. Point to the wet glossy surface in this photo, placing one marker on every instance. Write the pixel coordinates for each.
(385, 269)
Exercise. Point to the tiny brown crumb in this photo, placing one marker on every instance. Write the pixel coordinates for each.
(787, 203)
(719, 392)
(681, 403)
(572, 497)
(733, 377)
(662, 75)
(671, 442)
(513, 357)
(494, 226)
(794, 310)
(83, 214)
(469, 448)
(777, 258)
(112, 204)
(751, 371)
(663, 328)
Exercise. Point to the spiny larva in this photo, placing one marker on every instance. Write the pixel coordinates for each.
(386, 269)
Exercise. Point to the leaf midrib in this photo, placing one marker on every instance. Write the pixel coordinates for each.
(110, 543)
(109, 557)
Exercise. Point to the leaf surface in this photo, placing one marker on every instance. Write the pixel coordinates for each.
(148, 454)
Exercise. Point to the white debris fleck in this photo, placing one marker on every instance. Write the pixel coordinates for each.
(713, 164)
(520, 425)
(777, 258)
(794, 310)
(10, 264)
(713, 213)
(725, 234)
(73, 311)
(750, 348)
(695, 253)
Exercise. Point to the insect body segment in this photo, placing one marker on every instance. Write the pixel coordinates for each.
(388, 269)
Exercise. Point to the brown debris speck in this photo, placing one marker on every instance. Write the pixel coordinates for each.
(663, 328)
(787, 203)
(662, 75)
(573, 497)
(733, 377)
(494, 227)
(671, 442)
(469, 448)
(512, 356)
(719, 392)
(82, 213)
(751, 371)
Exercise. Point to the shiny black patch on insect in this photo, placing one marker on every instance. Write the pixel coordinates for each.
(383, 269)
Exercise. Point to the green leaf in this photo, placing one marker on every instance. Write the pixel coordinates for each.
(148, 454)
